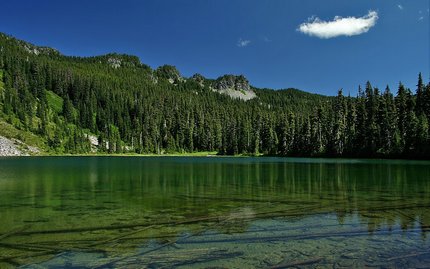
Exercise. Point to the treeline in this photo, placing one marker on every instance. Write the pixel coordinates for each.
(129, 107)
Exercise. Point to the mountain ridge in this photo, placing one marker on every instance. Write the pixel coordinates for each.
(113, 103)
(117, 60)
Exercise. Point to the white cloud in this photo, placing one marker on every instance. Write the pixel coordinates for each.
(243, 43)
(400, 7)
(421, 18)
(339, 26)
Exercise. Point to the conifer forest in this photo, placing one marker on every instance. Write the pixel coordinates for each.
(115, 104)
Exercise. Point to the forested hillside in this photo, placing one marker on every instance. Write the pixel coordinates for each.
(115, 104)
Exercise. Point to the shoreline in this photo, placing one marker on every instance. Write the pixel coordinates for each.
(13, 148)
(204, 155)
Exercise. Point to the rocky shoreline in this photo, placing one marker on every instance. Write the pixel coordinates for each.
(15, 147)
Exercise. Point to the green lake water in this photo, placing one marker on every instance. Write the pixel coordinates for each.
(210, 212)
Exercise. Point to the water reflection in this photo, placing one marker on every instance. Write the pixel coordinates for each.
(68, 194)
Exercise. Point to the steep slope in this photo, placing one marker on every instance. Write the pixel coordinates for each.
(125, 104)
(114, 103)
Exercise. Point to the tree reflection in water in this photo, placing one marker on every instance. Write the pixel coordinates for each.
(265, 211)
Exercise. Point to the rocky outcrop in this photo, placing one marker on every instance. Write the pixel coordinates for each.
(170, 73)
(15, 147)
(114, 62)
(40, 50)
(93, 141)
(234, 86)
(199, 79)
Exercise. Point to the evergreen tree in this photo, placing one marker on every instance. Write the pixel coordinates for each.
(132, 108)
(420, 103)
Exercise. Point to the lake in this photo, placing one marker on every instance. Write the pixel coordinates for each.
(213, 212)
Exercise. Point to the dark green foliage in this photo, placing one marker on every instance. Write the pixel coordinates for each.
(168, 72)
(128, 107)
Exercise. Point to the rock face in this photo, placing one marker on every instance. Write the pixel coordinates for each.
(170, 73)
(36, 50)
(199, 79)
(114, 62)
(234, 86)
(93, 141)
(14, 147)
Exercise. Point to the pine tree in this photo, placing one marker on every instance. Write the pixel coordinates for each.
(134, 108)
(402, 112)
(420, 99)
(67, 110)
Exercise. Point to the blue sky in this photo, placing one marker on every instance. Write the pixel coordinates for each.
(387, 41)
